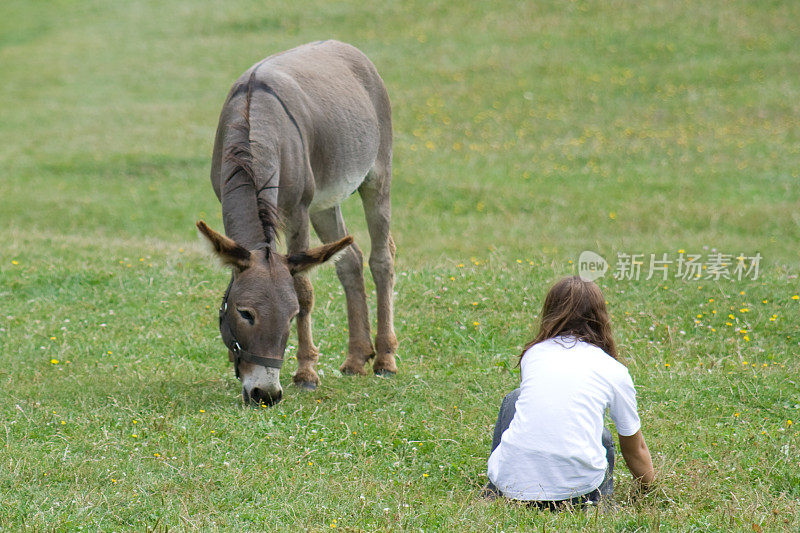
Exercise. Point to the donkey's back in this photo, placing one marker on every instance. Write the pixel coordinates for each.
(335, 100)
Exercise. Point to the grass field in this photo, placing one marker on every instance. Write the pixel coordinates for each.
(525, 133)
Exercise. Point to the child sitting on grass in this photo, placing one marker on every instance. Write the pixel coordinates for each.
(550, 446)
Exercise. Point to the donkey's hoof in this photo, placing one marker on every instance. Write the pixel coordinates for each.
(347, 371)
(307, 385)
(385, 373)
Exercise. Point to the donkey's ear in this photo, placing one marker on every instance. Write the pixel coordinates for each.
(228, 251)
(316, 256)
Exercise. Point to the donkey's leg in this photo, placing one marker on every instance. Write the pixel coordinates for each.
(377, 209)
(307, 354)
(330, 227)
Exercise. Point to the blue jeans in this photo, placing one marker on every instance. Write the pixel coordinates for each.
(507, 410)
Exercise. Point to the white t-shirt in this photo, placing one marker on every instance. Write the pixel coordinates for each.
(553, 450)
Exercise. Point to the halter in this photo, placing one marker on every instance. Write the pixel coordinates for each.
(239, 353)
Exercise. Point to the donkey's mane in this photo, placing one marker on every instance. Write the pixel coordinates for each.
(240, 154)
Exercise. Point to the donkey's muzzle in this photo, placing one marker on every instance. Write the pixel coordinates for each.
(258, 396)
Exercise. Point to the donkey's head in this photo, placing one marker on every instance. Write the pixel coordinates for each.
(258, 309)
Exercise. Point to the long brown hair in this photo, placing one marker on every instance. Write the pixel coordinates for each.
(576, 308)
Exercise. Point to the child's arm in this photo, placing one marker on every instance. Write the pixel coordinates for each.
(637, 457)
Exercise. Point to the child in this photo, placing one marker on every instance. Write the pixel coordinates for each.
(550, 447)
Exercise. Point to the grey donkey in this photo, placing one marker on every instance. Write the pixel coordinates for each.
(299, 132)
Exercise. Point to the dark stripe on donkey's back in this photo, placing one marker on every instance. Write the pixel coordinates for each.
(261, 86)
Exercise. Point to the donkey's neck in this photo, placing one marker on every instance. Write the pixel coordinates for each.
(241, 213)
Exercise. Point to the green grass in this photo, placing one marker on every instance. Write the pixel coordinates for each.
(524, 134)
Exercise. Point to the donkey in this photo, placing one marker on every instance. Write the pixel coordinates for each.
(299, 132)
